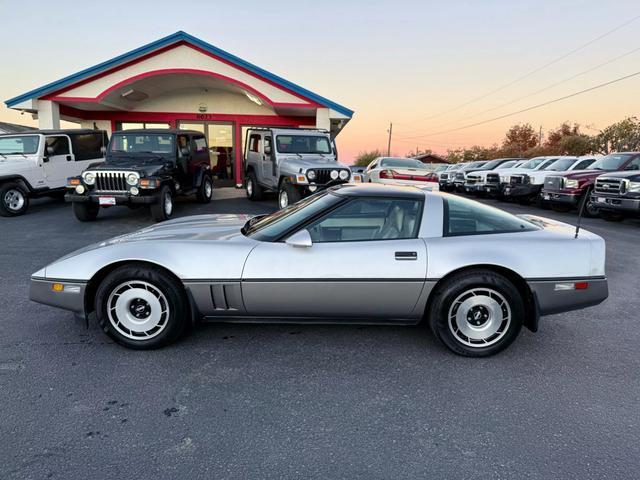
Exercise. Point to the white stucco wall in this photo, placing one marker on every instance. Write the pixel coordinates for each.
(187, 58)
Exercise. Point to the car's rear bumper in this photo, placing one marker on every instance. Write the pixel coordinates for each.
(120, 199)
(70, 297)
(556, 296)
(629, 205)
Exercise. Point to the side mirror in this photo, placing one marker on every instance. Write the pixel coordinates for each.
(185, 151)
(301, 239)
(49, 151)
(267, 150)
(103, 151)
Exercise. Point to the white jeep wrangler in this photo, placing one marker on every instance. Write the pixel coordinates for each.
(295, 162)
(38, 163)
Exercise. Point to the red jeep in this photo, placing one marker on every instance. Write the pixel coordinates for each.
(565, 192)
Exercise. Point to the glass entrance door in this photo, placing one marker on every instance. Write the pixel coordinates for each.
(220, 137)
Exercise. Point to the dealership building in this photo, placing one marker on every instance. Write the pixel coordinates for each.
(181, 81)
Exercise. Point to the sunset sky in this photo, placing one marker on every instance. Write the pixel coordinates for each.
(409, 62)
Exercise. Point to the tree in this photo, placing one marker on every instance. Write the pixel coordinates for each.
(365, 158)
(519, 139)
(554, 137)
(623, 136)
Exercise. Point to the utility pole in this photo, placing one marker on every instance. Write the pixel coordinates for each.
(540, 137)
(389, 145)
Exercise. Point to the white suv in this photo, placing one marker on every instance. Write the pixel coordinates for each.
(38, 163)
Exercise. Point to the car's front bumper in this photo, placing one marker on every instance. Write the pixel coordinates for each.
(521, 190)
(69, 297)
(572, 199)
(120, 199)
(555, 296)
(618, 204)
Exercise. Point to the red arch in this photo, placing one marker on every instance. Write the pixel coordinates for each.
(170, 71)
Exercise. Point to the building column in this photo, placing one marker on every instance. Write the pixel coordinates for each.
(238, 167)
(48, 115)
(322, 119)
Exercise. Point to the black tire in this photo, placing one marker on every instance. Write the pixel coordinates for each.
(252, 187)
(590, 208)
(170, 307)
(449, 294)
(162, 210)
(205, 191)
(611, 216)
(290, 192)
(560, 207)
(86, 211)
(14, 199)
(541, 203)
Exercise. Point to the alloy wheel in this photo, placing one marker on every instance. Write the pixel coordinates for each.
(14, 200)
(284, 199)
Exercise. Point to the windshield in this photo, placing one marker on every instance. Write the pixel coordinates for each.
(610, 162)
(303, 144)
(506, 164)
(271, 227)
(402, 162)
(26, 144)
(561, 165)
(142, 143)
(491, 165)
(533, 163)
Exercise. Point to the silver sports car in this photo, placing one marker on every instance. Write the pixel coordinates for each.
(474, 273)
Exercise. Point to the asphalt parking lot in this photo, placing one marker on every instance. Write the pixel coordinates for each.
(284, 401)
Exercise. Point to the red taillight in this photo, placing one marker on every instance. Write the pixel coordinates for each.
(581, 285)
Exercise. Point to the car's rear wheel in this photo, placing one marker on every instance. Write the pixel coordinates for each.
(288, 195)
(253, 189)
(163, 209)
(14, 200)
(141, 307)
(205, 192)
(86, 211)
(476, 313)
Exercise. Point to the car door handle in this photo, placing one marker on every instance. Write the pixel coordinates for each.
(406, 255)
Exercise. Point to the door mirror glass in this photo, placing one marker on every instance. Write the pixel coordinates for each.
(301, 239)
(50, 151)
(267, 149)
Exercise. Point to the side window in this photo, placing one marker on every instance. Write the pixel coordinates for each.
(254, 143)
(633, 164)
(87, 146)
(365, 219)
(200, 145)
(373, 165)
(466, 217)
(584, 164)
(267, 145)
(59, 146)
(183, 142)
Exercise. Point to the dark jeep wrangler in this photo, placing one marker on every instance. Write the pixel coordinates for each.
(144, 167)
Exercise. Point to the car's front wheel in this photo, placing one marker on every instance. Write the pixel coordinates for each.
(86, 211)
(476, 313)
(14, 200)
(163, 208)
(288, 195)
(141, 307)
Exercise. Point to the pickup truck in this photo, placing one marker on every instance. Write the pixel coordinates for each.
(476, 181)
(567, 191)
(527, 187)
(616, 195)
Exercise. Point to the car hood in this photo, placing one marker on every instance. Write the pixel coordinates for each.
(145, 166)
(312, 161)
(582, 174)
(630, 174)
(194, 228)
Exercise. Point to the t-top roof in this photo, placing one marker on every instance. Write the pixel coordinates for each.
(179, 36)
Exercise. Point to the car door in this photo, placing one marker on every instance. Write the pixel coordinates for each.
(366, 261)
(57, 161)
(269, 170)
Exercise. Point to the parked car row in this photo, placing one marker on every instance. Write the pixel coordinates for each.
(148, 167)
(608, 186)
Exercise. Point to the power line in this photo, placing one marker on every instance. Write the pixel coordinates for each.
(548, 87)
(528, 108)
(535, 70)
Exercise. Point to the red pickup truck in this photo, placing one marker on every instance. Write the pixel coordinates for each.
(565, 192)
